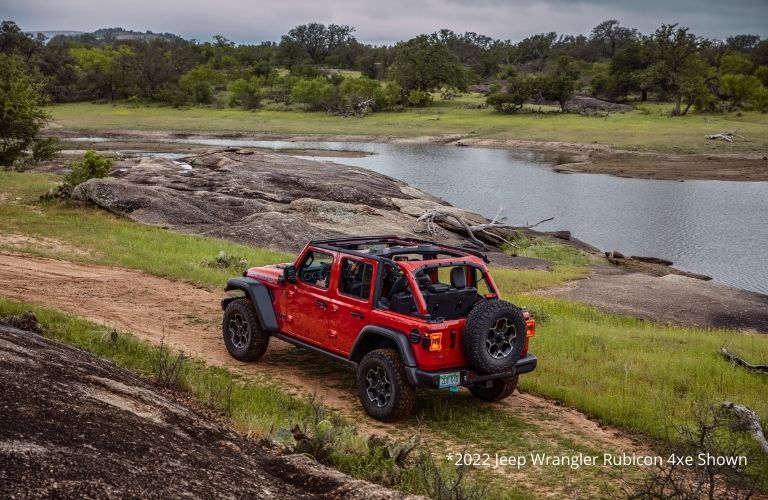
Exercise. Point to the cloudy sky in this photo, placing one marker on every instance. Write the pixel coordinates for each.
(385, 21)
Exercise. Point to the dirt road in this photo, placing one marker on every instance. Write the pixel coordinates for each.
(189, 318)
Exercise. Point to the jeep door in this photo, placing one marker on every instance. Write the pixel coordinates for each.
(350, 308)
(308, 298)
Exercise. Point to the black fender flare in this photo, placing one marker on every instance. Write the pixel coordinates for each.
(260, 297)
(372, 332)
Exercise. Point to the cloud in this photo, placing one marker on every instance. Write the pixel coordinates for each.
(387, 22)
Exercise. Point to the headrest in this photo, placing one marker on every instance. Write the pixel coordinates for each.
(458, 277)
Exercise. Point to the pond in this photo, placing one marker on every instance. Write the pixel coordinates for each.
(717, 228)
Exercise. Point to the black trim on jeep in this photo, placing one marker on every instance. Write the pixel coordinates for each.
(468, 377)
(261, 298)
(368, 336)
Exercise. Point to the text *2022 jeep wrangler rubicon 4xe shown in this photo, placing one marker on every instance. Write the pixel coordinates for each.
(403, 312)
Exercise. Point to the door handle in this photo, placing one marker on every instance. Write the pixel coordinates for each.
(358, 315)
(321, 304)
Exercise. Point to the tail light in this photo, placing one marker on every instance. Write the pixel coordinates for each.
(530, 328)
(435, 342)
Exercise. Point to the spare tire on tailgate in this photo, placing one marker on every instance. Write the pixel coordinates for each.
(493, 336)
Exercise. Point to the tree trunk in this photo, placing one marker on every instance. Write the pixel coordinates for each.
(643, 95)
(678, 103)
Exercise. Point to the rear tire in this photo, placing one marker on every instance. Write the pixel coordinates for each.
(383, 386)
(243, 335)
(500, 389)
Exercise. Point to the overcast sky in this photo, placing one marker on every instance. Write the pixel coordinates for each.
(385, 21)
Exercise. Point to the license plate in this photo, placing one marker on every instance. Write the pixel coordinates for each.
(450, 379)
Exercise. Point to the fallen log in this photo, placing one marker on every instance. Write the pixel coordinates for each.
(761, 369)
(749, 420)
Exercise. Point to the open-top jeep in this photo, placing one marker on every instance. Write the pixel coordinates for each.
(404, 312)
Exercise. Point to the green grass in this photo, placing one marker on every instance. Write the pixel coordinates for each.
(112, 240)
(634, 374)
(650, 130)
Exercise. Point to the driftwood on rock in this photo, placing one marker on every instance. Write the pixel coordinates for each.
(762, 369)
(479, 234)
(749, 420)
(727, 136)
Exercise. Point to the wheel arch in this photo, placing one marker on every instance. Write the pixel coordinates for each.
(260, 297)
(374, 337)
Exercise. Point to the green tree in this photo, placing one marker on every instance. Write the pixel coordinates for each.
(425, 63)
(674, 48)
(355, 91)
(108, 70)
(518, 90)
(199, 83)
(611, 37)
(21, 113)
(558, 87)
(741, 90)
(735, 63)
(246, 93)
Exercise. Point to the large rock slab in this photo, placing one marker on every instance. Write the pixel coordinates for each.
(262, 199)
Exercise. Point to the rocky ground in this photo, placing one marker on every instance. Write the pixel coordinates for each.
(73, 425)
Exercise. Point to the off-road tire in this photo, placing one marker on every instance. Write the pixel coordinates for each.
(501, 389)
(247, 345)
(401, 393)
(483, 321)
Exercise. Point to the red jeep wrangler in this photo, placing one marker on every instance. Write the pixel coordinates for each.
(404, 312)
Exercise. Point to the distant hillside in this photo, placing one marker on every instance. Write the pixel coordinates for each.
(109, 34)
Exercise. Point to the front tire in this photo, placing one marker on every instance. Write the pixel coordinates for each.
(383, 387)
(243, 335)
(499, 389)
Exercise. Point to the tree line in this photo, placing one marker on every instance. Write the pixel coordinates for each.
(305, 68)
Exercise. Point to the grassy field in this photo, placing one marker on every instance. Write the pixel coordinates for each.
(630, 373)
(648, 129)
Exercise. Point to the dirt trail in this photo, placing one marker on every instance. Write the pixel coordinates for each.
(189, 317)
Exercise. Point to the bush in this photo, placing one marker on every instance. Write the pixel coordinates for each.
(246, 93)
(316, 94)
(742, 90)
(419, 98)
(93, 166)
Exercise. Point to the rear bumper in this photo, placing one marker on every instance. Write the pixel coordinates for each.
(469, 377)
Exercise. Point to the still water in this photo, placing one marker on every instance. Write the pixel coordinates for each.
(716, 228)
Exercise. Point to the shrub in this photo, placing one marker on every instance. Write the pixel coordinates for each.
(246, 93)
(93, 166)
(419, 98)
(742, 90)
(316, 94)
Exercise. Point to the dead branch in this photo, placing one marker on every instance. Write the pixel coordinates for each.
(749, 420)
(762, 369)
(455, 223)
(727, 136)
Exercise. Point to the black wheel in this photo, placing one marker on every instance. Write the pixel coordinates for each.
(243, 336)
(499, 389)
(494, 336)
(383, 387)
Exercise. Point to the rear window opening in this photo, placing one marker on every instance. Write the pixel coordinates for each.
(449, 291)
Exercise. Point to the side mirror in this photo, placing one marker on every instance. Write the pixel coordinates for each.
(289, 274)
